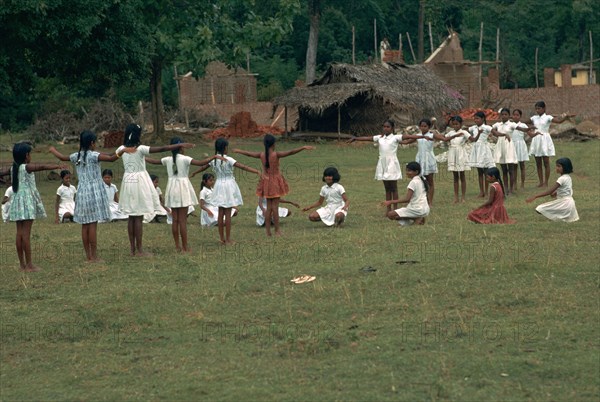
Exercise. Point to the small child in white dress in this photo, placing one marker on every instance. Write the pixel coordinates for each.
(416, 197)
(518, 139)
(563, 208)
(6, 200)
(64, 207)
(226, 193)
(336, 209)
(262, 207)
(210, 211)
(162, 211)
(112, 194)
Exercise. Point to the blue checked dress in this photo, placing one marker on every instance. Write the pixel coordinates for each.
(91, 204)
(26, 202)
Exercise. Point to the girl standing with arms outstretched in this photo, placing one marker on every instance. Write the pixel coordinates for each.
(416, 197)
(272, 185)
(505, 153)
(180, 194)
(457, 156)
(518, 139)
(563, 208)
(226, 193)
(91, 205)
(388, 167)
(481, 155)
(493, 210)
(542, 147)
(138, 196)
(425, 156)
(26, 203)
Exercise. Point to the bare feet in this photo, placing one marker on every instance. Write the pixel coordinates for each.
(456, 200)
(279, 233)
(30, 268)
(144, 254)
(230, 242)
(541, 185)
(481, 195)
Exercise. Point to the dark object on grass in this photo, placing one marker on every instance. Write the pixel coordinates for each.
(368, 269)
(407, 262)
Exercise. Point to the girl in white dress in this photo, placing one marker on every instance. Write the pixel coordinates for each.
(518, 139)
(457, 155)
(336, 209)
(416, 197)
(262, 207)
(563, 208)
(112, 194)
(210, 211)
(180, 194)
(425, 156)
(542, 147)
(226, 193)
(6, 203)
(64, 207)
(505, 153)
(388, 167)
(138, 196)
(481, 155)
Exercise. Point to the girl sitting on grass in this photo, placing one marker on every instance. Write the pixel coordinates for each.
(416, 197)
(336, 210)
(493, 210)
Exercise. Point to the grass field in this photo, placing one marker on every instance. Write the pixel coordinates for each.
(507, 312)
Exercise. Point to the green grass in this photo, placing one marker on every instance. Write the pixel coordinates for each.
(488, 312)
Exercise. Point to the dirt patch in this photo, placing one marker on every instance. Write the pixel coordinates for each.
(241, 125)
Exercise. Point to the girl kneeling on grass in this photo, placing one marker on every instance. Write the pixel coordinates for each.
(493, 210)
(334, 213)
(563, 208)
(416, 197)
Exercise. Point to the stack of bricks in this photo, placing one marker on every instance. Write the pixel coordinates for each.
(113, 139)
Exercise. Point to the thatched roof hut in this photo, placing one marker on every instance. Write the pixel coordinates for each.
(357, 99)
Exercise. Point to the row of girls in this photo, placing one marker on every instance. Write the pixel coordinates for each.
(510, 153)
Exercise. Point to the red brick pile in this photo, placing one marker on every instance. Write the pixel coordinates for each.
(113, 139)
(242, 125)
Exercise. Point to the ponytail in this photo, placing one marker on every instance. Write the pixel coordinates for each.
(174, 152)
(268, 141)
(86, 139)
(20, 152)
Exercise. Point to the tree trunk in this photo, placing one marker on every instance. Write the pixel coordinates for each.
(421, 36)
(158, 119)
(314, 14)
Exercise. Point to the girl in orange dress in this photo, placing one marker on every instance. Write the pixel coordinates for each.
(493, 210)
(272, 185)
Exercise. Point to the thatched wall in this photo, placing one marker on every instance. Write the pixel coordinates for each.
(366, 95)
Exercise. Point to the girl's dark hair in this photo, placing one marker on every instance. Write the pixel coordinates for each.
(426, 121)
(391, 123)
(86, 138)
(540, 104)
(63, 173)
(481, 115)
(133, 134)
(519, 111)
(456, 118)
(175, 140)
(566, 165)
(268, 141)
(107, 172)
(494, 172)
(333, 172)
(153, 177)
(220, 145)
(20, 151)
(416, 167)
(205, 177)
(505, 109)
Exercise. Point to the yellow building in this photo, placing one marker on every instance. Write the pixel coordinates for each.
(580, 75)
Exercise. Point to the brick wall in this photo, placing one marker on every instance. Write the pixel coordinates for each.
(583, 100)
(260, 111)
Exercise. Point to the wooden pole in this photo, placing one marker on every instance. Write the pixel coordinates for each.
(353, 46)
(285, 120)
(339, 122)
(248, 62)
(375, 36)
(177, 85)
(591, 60)
(400, 47)
(537, 83)
(480, 55)
(430, 37)
(497, 46)
(411, 48)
